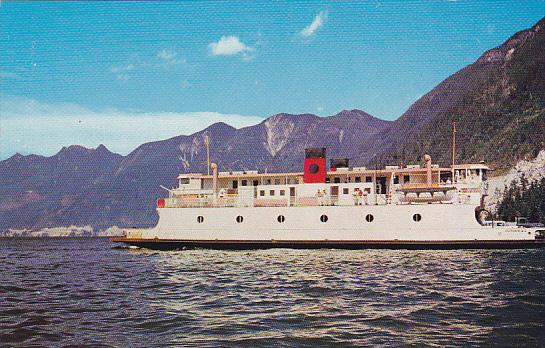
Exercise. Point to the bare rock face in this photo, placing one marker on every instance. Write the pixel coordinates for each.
(505, 52)
(278, 129)
(533, 170)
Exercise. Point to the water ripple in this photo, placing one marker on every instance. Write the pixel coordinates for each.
(85, 292)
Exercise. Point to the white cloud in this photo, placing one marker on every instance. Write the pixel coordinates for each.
(162, 60)
(229, 46)
(122, 68)
(30, 126)
(170, 57)
(121, 71)
(166, 55)
(316, 24)
(9, 75)
(184, 84)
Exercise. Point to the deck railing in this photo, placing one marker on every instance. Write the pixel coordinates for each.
(292, 201)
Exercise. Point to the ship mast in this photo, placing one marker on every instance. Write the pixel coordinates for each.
(453, 147)
(207, 143)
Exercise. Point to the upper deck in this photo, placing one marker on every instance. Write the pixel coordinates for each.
(411, 184)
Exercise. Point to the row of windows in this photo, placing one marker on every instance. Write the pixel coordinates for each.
(272, 193)
(244, 182)
(323, 218)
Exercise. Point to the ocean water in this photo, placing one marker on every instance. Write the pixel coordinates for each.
(83, 291)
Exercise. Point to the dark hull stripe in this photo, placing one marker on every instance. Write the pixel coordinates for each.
(171, 244)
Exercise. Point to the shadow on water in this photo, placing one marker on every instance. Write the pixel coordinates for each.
(84, 291)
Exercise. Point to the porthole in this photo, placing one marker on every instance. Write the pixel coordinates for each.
(313, 168)
(369, 218)
(281, 218)
(200, 219)
(240, 219)
(417, 217)
(323, 218)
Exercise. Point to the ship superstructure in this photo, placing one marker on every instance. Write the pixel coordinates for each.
(409, 206)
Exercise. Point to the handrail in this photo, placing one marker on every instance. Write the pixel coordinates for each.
(234, 201)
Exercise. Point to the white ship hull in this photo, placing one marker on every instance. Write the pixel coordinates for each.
(440, 226)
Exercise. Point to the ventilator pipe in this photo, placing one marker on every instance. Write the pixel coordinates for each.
(214, 167)
(427, 159)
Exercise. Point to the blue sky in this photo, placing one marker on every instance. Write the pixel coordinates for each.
(126, 73)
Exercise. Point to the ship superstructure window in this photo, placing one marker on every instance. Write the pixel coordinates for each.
(357, 179)
(345, 191)
(417, 217)
(200, 219)
(239, 219)
(235, 184)
(282, 192)
(369, 218)
(256, 182)
(244, 183)
(368, 179)
(271, 192)
(396, 179)
(277, 181)
(336, 180)
(323, 218)
(184, 181)
(262, 193)
(281, 218)
(268, 182)
(406, 178)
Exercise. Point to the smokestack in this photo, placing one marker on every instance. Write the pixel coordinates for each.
(315, 165)
(427, 159)
(214, 167)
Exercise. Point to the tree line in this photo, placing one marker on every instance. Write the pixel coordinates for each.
(522, 199)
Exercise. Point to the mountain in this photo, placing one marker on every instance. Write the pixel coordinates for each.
(36, 190)
(498, 103)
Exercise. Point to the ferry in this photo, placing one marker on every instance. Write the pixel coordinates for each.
(407, 207)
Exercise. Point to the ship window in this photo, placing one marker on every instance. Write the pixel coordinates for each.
(271, 192)
(268, 182)
(396, 179)
(323, 218)
(327, 180)
(336, 180)
(244, 183)
(368, 179)
(235, 184)
(239, 219)
(417, 217)
(262, 193)
(369, 218)
(281, 218)
(345, 191)
(358, 179)
(282, 192)
(256, 182)
(184, 181)
(277, 181)
(200, 219)
(406, 178)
